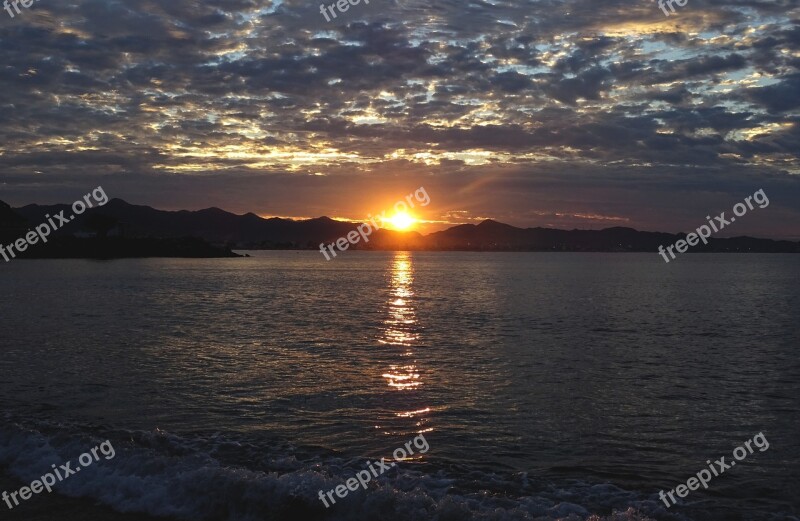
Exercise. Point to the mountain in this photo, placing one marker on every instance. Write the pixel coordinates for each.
(66, 243)
(249, 231)
(212, 224)
(12, 225)
(494, 236)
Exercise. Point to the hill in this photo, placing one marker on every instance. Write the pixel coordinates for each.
(249, 231)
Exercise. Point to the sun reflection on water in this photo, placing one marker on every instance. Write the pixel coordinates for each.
(399, 337)
(400, 326)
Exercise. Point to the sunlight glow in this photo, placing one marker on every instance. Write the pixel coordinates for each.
(401, 221)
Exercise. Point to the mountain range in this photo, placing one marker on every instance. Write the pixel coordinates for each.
(249, 231)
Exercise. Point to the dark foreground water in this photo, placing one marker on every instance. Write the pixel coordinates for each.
(547, 386)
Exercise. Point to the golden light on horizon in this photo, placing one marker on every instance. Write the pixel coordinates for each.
(401, 221)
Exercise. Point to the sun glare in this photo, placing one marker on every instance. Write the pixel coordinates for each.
(401, 221)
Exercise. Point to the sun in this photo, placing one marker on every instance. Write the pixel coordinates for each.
(401, 221)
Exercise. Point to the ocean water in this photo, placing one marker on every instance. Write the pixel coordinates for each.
(547, 386)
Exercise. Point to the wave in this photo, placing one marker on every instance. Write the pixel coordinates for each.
(223, 478)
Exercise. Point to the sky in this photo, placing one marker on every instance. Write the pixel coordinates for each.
(567, 114)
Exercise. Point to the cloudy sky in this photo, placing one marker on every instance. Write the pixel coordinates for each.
(562, 113)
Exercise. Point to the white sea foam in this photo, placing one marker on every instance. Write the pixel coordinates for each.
(166, 475)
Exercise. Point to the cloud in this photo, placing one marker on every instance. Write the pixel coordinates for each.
(211, 94)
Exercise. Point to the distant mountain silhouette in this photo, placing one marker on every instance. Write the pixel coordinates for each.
(250, 231)
(93, 240)
(494, 236)
(12, 225)
(212, 224)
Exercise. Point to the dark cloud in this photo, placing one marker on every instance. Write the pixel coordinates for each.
(781, 97)
(224, 102)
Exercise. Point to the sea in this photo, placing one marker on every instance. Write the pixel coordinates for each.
(546, 386)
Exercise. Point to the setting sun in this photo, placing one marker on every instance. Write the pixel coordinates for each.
(401, 221)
